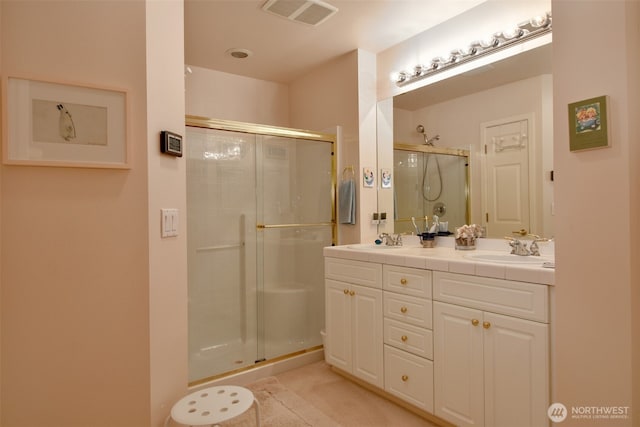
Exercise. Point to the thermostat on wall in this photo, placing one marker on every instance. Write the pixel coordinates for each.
(171, 143)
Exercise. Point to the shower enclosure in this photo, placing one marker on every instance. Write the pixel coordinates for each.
(260, 207)
(430, 181)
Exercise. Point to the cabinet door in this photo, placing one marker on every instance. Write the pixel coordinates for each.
(366, 306)
(409, 377)
(338, 324)
(516, 371)
(458, 366)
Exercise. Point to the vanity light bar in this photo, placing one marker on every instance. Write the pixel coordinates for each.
(524, 31)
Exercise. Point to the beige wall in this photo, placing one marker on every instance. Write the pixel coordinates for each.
(633, 71)
(1, 132)
(167, 262)
(596, 276)
(323, 99)
(218, 95)
(76, 301)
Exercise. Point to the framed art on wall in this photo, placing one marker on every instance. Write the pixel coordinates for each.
(368, 178)
(588, 124)
(55, 124)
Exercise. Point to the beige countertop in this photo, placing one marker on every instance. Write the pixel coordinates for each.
(444, 257)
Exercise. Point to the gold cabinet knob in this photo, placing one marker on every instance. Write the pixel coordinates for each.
(403, 309)
(486, 325)
(405, 378)
(404, 338)
(352, 293)
(403, 281)
(475, 322)
(346, 291)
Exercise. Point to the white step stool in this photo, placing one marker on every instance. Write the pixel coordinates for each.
(213, 405)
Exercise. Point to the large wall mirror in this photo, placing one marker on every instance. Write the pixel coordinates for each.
(498, 119)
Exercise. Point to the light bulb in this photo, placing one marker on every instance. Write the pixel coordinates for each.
(540, 21)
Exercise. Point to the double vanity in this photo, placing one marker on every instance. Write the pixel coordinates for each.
(462, 335)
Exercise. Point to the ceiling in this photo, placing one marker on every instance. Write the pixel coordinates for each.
(284, 50)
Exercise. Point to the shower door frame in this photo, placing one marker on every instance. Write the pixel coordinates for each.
(275, 131)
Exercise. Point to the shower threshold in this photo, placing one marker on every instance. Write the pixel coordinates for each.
(265, 367)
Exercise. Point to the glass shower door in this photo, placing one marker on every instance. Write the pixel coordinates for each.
(221, 233)
(295, 224)
(260, 211)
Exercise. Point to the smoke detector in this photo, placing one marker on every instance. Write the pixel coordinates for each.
(310, 12)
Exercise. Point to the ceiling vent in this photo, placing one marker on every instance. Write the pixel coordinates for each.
(310, 12)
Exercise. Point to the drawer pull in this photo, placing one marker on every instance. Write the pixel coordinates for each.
(486, 325)
(352, 293)
(475, 322)
(405, 378)
(403, 309)
(346, 291)
(403, 281)
(404, 338)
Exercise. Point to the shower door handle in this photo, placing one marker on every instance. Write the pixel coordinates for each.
(311, 224)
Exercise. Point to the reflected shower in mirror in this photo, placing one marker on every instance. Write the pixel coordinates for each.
(430, 181)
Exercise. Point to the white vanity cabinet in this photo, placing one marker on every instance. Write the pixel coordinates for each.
(491, 351)
(353, 319)
(408, 335)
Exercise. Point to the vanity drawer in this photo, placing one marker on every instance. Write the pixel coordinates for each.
(418, 341)
(409, 377)
(519, 299)
(409, 281)
(416, 311)
(350, 271)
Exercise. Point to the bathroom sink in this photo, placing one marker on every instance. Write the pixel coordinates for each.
(371, 246)
(506, 258)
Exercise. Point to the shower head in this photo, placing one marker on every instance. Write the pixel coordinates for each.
(430, 140)
(427, 141)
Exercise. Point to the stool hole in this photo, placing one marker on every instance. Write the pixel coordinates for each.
(235, 401)
(221, 391)
(206, 413)
(234, 394)
(224, 409)
(192, 410)
(193, 402)
(204, 395)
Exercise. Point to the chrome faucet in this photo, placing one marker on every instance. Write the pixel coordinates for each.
(518, 247)
(391, 240)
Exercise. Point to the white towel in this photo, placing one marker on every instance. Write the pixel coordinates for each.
(347, 202)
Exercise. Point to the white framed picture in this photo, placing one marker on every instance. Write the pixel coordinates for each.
(55, 124)
(385, 178)
(368, 177)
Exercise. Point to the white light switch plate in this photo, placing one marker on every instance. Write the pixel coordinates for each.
(169, 222)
